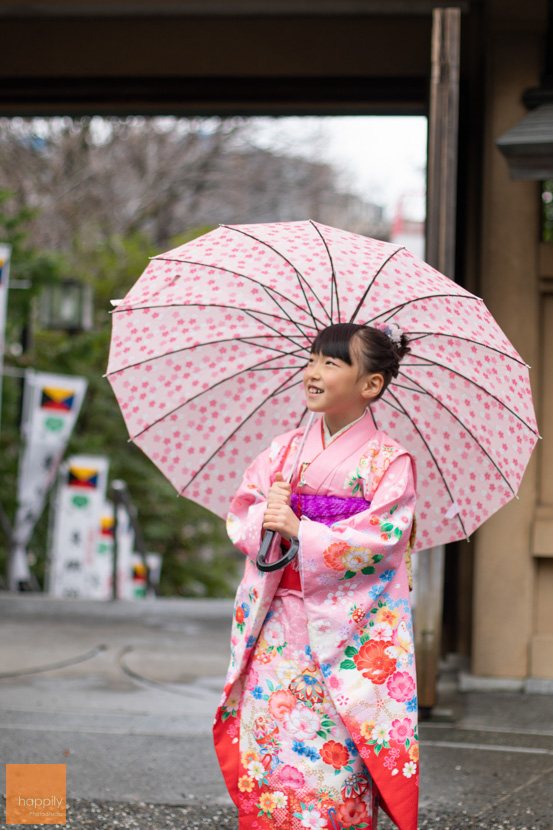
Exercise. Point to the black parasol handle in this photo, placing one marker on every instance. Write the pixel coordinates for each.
(283, 561)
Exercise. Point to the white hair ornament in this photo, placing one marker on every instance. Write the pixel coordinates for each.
(391, 329)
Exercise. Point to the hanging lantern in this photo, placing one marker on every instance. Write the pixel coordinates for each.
(67, 306)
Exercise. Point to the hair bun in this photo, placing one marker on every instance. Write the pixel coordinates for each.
(397, 339)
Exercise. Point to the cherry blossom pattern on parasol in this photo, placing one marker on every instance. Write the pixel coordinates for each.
(209, 346)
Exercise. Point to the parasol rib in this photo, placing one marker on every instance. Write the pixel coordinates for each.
(334, 284)
(225, 306)
(299, 276)
(423, 439)
(489, 394)
(370, 285)
(279, 368)
(408, 388)
(385, 400)
(422, 334)
(199, 395)
(250, 313)
(373, 417)
(245, 340)
(298, 325)
(466, 428)
(277, 391)
(517, 359)
(394, 310)
(288, 337)
(465, 340)
(251, 279)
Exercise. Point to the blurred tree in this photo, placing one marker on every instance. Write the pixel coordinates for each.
(94, 177)
(197, 555)
(35, 269)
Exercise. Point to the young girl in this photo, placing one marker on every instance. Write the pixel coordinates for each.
(317, 726)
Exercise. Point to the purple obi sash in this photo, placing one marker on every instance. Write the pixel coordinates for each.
(328, 509)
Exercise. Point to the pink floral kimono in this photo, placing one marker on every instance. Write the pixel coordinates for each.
(317, 726)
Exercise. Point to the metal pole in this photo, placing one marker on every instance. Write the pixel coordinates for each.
(114, 495)
(119, 493)
(17, 566)
(440, 253)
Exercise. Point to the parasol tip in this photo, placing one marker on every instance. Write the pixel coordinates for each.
(115, 303)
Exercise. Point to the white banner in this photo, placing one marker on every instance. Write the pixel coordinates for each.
(5, 254)
(51, 404)
(78, 510)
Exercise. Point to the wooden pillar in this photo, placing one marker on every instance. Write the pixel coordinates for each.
(440, 253)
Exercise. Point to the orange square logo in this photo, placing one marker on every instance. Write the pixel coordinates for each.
(35, 793)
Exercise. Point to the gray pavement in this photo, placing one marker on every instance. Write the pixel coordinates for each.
(124, 694)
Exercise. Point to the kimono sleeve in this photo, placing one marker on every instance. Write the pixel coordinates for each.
(371, 542)
(247, 508)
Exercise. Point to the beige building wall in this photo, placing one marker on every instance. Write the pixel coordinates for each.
(513, 586)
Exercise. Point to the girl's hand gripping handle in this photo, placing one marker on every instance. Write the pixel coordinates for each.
(291, 522)
(283, 561)
(279, 513)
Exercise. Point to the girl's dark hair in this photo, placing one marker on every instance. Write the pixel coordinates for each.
(377, 352)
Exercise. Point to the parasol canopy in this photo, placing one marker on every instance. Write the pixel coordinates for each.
(209, 346)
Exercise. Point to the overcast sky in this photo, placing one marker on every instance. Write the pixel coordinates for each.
(382, 158)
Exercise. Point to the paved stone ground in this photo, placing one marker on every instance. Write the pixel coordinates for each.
(96, 815)
(124, 694)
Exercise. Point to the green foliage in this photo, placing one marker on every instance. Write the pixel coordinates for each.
(197, 555)
(40, 268)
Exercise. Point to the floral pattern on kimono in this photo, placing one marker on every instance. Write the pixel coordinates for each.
(359, 655)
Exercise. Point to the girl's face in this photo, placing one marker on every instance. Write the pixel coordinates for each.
(333, 387)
